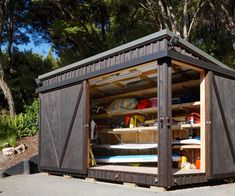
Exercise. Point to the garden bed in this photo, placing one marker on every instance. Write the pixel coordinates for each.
(31, 144)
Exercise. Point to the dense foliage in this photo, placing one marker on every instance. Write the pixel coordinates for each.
(78, 29)
(20, 125)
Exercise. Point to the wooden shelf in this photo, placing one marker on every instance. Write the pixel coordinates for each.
(152, 128)
(152, 110)
(147, 92)
(185, 126)
(130, 130)
(137, 111)
(139, 93)
(188, 146)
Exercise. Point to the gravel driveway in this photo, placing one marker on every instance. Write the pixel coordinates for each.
(41, 184)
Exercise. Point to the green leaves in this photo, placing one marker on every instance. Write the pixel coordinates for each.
(31, 118)
(20, 125)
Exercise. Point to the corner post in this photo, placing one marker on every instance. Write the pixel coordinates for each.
(164, 123)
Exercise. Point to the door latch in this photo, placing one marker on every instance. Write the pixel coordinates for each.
(168, 122)
(161, 120)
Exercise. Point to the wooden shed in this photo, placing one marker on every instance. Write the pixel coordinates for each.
(156, 112)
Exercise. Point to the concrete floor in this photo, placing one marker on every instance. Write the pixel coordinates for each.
(42, 184)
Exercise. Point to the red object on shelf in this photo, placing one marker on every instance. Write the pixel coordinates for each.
(144, 103)
(194, 118)
(127, 119)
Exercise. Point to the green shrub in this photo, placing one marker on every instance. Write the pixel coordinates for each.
(10, 127)
(20, 125)
(12, 140)
(31, 118)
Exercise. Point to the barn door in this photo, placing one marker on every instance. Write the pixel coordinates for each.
(64, 119)
(220, 130)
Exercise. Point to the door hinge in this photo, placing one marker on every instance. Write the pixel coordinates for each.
(208, 122)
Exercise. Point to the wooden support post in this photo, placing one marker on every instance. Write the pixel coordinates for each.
(203, 120)
(164, 123)
(208, 129)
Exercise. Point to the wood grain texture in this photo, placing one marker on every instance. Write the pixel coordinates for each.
(164, 137)
(203, 121)
(223, 123)
(208, 118)
(62, 129)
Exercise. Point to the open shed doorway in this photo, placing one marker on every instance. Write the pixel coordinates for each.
(124, 112)
(188, 118)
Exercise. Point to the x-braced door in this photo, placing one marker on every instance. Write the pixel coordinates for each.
(64, 119)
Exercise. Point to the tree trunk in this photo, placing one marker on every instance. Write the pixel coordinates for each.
(185, 13)
(8, 95)
(3, 85)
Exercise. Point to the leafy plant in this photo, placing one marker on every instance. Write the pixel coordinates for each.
(12, 140)
(31, 118)
(23, 124)
(9, 129)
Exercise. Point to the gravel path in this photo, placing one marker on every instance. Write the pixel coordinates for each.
(42, 184)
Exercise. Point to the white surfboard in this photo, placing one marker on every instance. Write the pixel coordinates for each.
(132, 159)
(187, 141)
(128, 146)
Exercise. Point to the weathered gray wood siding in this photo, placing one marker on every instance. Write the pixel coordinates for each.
(64, 115)
(106, 62)
(221, 143)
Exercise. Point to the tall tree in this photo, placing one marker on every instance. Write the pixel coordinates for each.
(79, 29)
(12, 31)
(6, 90)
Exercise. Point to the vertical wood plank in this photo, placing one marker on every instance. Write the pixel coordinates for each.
(203, 120)
(164, 114)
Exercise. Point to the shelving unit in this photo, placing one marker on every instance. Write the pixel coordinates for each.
(116, 140)
(182, 106)
(183, 143)
(146, 92)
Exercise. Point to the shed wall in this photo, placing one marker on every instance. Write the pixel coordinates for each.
(123, 57)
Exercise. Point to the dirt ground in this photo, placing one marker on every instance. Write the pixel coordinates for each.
(31, 144)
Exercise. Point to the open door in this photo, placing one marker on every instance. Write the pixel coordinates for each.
(220, 120)
(64, 120)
